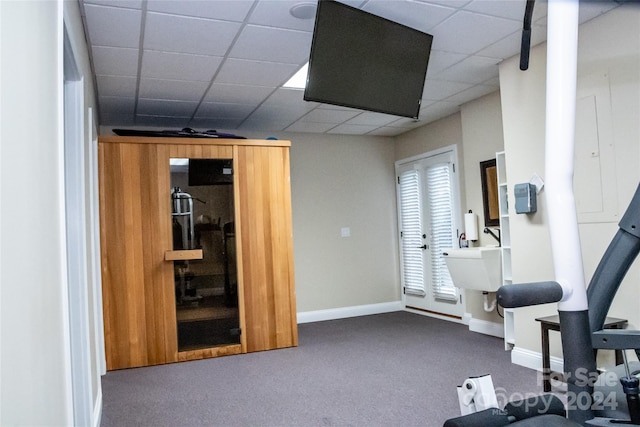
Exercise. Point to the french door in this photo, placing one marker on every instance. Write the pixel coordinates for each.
(428, 221)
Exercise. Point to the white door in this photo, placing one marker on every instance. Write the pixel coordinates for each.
(428, 218)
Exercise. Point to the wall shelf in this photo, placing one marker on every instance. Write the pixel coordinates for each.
(507, 278)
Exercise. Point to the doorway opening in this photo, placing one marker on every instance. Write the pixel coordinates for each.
(428, 223)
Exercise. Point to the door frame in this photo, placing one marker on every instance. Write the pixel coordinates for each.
(453, 150)
(76, 237)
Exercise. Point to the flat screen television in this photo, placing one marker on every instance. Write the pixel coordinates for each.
(364, 61)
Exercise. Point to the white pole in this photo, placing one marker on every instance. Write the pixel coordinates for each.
(562, 43)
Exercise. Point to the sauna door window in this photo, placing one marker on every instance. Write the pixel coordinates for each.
(202, 219)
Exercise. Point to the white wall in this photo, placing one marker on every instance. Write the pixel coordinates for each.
(481, 139)
(337, 182)
(35, 363)
(97, 365)
(477, 131)
(430, 137)
(35, 359)
(608, 69)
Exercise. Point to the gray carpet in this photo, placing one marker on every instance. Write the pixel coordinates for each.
(395, 369)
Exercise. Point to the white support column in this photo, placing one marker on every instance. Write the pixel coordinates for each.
(562, 44)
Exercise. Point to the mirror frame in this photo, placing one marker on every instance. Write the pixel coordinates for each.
(489, 178)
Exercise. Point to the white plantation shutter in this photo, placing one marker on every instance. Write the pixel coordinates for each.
(440, 206)
(410, 211)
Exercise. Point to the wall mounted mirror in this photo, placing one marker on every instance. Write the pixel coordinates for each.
(489, 178)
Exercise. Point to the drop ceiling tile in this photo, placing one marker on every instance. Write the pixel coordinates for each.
(417, 15)
(439, 60)
(474, 69)
(256, 73)
(204, 36)
(116, 119)
(407, 123)
(372, 119)
(215, 123)
(283, 115)
(115, 61)
(257, 43)
(178, 66)
(435, 90)
(131, 4)
(387, 131)
(438, 111)
(265, 124)
(322, 115)
(243, 94)
(165, 122)
(276, 14)
(449, 3)
(467, 32)
(228, 10)
(510, 45)
(172, 89)
(102, 20)
(424, 104)
(116, 86)
(290, 97)
(472, 93)
(119, 105)
(221, 110)
(352, 129)
(309, 127)
(157, 107)
(501, 8)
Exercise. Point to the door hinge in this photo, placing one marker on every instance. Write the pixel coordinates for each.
(404, 290)
(235, 332)
(398, 179)
(460, 298)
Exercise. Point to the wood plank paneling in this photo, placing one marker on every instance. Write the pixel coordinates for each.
(138, 284)
(265, 226)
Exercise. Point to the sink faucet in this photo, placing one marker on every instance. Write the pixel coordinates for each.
(488, 231)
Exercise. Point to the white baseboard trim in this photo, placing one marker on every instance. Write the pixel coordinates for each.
(486, 327)
(533, 360)
(344, 312)
(466, 318)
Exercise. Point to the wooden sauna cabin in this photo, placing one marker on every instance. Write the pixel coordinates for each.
(197, 251)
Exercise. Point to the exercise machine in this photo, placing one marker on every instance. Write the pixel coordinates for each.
(582, 312)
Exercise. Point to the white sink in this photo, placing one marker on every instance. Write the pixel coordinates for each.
(475, 268)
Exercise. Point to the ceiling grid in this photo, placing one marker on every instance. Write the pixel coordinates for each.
(220, 64)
